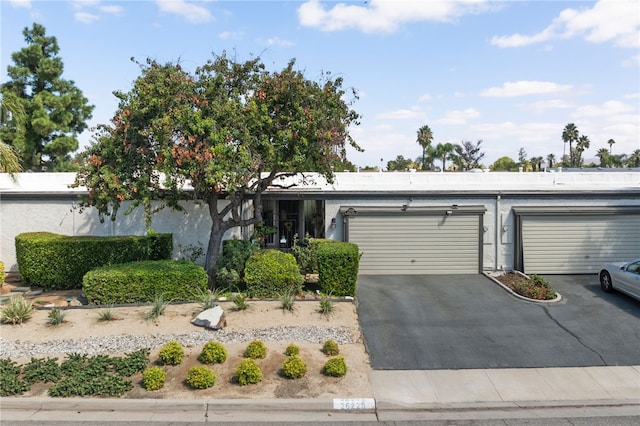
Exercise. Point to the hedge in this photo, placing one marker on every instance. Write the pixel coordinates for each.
(272, 273)
(58, 262)
(338, 264)
(141, 282)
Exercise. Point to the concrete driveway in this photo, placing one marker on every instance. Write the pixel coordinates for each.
(424, 322)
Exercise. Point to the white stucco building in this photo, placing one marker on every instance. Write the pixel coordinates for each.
(420, 222)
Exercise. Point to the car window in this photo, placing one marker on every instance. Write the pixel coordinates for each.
(634, 267)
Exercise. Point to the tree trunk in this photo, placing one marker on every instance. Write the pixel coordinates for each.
(213, 250)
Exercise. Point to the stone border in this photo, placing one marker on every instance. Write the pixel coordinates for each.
(492, 277)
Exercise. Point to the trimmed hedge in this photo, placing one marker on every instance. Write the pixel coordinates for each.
(59, 262)
(338, 264)
(140, 282)
(270, 273)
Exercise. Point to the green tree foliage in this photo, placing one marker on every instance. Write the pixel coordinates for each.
(55, 111)
(444, 152)
(468, 155)
(570, 135)
(229, 129)
(504, 164)
(400, 164)
(424, 139)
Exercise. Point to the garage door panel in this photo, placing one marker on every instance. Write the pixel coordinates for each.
(416, 244)
(578, 244)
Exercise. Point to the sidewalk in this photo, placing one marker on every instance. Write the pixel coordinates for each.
(397, 395)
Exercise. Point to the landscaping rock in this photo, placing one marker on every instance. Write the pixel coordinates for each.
(212, 318)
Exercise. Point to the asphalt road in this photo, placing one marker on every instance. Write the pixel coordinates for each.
(423, 322)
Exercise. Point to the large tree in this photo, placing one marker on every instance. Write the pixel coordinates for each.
(55, 110)
(468, 154)
(11, 110)
(570, 135)
(424, 139)
(229, 130)
(444, 152)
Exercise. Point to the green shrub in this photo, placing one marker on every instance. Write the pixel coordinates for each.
(55, 317)
(213, 353)
(158, 306)
(306, 254)
(292, 350)
(172, 353)
(294, 367)
(41, 370)
(338, 264)
(153, 378)
(10, 382)
(17, 311)
(335, 367)
(59, 262)
(201, 377)
(256, 350)
(140, 282)
(326, 305)
(330, 348)
(1, 274)
(230, 265)
(248, 372)
(240, 301)
(269, 273)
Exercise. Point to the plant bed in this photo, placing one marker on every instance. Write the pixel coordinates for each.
(532, 287)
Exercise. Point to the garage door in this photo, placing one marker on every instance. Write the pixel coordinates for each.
(577, 244)
(430, 241)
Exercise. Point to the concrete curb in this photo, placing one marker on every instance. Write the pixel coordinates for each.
(516, 295)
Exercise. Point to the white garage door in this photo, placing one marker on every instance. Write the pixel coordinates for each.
(417, 244)
(578, 244)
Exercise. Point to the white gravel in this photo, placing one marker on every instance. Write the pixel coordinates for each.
(128, 343)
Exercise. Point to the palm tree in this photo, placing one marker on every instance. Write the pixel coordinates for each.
(634, 158)
(583, 143)
(425, 137)
(551, 159)
(610, 142)
(443, 152)
(603, 154)
(570, 134)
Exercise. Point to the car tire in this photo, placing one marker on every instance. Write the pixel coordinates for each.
(605, 281)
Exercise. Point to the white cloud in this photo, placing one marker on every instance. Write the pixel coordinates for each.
(424, 97)
(633, 61)
(458, 117)
(524, 88)
(384, 15)
(190, 12)
(543, 106)
(113, 10)
(20, 3)
(276, 41)
(85, 17)
(616, 21)
(230, 35)
(81, 4)
(401, 114)
(608, 110)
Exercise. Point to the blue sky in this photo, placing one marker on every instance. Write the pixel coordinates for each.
(512, 73)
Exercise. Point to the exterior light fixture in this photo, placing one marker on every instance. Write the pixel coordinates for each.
(333, 222)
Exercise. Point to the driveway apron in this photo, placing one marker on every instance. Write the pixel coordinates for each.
(424, 322)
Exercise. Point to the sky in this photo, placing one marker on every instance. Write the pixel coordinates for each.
(510, 73)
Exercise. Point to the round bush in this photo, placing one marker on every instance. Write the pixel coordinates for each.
(335, 367)
(153, 378)
(213, 353)
(248, 372)
(294, 367)
(171, 353)
(292, 350)
(256, 350)
(330, 348)
(269, 273)
(200, 377)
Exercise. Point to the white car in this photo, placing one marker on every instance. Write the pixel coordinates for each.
(622, 276)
